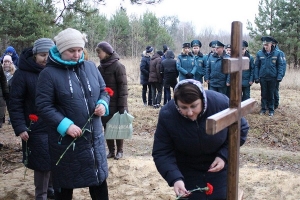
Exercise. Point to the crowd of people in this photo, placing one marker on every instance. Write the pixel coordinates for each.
(157, 72)
(55, 81)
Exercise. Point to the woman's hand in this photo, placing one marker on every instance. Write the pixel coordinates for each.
(217, 165)
(24, 135)
(100, 110)
(180, 190)
(74, 131)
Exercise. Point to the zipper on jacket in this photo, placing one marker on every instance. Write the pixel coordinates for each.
(95, 165)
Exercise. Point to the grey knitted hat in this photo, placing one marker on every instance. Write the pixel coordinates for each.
(42, 45)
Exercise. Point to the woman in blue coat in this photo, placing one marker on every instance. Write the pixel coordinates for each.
(71, 98)
(184, 155)
(22, 104)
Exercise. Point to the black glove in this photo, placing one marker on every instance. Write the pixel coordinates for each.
(121, 109)
(256, 81)
(279, 80)
(189, 75)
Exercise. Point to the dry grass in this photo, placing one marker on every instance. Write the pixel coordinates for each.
(269, 160)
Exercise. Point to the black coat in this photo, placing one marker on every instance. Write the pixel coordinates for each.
(169, 70)
(69, 92)
(181, 144)
(144, 69)
(114, 75)
(22, 103)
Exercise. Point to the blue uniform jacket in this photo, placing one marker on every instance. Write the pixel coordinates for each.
(269, 65)
(200, 62)
(248, 75)
(185, 64)
(214, 71)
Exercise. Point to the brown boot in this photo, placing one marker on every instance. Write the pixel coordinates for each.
(119, 149)
(111, 148)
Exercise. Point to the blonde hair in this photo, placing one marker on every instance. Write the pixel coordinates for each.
(86, 54)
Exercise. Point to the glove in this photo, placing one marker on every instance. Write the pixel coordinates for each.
(121, 109)
(256, 81)
(279, 80)
(189, 75)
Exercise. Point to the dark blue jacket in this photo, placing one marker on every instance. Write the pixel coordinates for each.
(22, 103)
(144, 68)
(248, 75)
(214, 71)
(269, 65)
(181, 143)
(67, 93)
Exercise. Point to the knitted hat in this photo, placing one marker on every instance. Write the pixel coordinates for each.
(149, 49)
(42, 45)
(69, 38)
(160, 53)
(106, 47)
(10, 49)
(7, 58)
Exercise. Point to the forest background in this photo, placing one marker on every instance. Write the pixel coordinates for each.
(24, 21)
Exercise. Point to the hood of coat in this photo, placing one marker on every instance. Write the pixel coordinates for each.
(156, 55)
(27, 62)
(199, 85)
(55, 57)
(110, 60)
(170, 54)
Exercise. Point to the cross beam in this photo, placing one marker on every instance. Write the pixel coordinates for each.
(231, 117)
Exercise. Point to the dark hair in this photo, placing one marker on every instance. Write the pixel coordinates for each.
(187, 93)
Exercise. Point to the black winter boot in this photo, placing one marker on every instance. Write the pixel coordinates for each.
(119, 149)
(111, 148)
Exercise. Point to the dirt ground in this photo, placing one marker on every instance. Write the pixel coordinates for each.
(269, 161)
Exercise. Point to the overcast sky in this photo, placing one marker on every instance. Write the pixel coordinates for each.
(216, 14)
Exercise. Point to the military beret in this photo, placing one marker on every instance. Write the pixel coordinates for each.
(196, 43)
(212, 44)
(186, 44)
(227, 46)
(245, 44)
(267, 39)
(219, 44)
(275, 41)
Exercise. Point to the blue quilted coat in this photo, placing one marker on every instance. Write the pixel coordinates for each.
(67, 93)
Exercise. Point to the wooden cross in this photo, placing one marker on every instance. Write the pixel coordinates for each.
(232, 116)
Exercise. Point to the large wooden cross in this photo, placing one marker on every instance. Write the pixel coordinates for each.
(232, 116)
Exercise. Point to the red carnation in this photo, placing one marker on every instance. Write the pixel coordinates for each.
(109, 91)
(210, 189)
(33, 117)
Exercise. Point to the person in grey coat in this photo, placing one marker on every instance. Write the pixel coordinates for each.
(71, 99)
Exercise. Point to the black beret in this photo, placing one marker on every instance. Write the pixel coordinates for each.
(196, 43)
(187, 44)
(160, 53)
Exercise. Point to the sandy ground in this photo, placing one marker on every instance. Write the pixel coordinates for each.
(135, 177)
